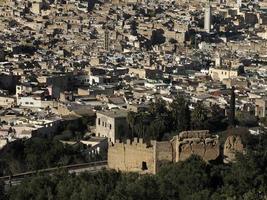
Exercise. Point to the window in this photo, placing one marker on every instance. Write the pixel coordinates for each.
(98, 121)
(110, 126)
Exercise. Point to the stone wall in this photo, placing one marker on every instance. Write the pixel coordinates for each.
(134, 156)
(163, 153)
(200, 143)
(232, 145)
(137, 156)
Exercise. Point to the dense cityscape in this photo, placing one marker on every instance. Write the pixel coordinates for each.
(133, 99)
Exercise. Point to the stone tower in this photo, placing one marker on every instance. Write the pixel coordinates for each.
(218, 60)
(106, 42)
(232, 108)
(207, 17)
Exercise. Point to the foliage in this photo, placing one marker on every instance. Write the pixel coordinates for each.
(246, 119)
(199, 117)
(216, 119)
(2, 55)
(24, 49)
(185, 180)
(149, 125)
(37, 153)
(180, 114)
(162, 120)
(157, 37)
(74, 129)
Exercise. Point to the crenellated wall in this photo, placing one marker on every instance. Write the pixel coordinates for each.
(136, 156)
(130, 156)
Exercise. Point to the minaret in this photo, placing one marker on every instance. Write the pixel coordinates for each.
(239, 3)
(232, 108)
(207, 19)
(218, 60)
(106, 42)
(90, 5)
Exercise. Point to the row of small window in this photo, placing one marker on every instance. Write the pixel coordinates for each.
(86, 81)
(221, 73)
(27, 103)
(104, 124)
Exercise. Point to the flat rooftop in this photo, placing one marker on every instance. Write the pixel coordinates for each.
(114, 113)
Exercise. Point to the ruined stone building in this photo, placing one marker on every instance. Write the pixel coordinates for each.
(137, 156)
(232, 145)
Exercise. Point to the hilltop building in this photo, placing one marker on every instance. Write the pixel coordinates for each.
(111, 124)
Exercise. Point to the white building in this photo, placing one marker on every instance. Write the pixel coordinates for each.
(111, 124)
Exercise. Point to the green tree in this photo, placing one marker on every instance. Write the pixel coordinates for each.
(247, 174)
(246, 119)
(142, 188)
(2, 55)
(158, 107)
(132, 120)
(199, 117)
(157, 37)
(181, 180)
(180, 114)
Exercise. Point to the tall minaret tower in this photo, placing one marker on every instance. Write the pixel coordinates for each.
(239, 3)
(106, 42)
(218, 59)
(207, 19)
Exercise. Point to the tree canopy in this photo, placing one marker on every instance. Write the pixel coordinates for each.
(38, 153)
(185, 180)
(162, 120)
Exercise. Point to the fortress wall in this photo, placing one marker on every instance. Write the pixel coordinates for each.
(212, 149)
(163, 153)
(136, 156)
(133, 156)
(194, 134)
(208, 148)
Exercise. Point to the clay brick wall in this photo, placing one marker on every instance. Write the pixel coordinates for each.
(135, 155)
(200, 143)
(163, 153)
(132, 156)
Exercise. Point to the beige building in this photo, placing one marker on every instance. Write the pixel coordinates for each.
(261, 106)
(220, 74)
(111, 124)
(237, 82)
(36, 8)
(138, 156)
(6, 101)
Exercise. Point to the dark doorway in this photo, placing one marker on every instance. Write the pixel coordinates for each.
(144, 166)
